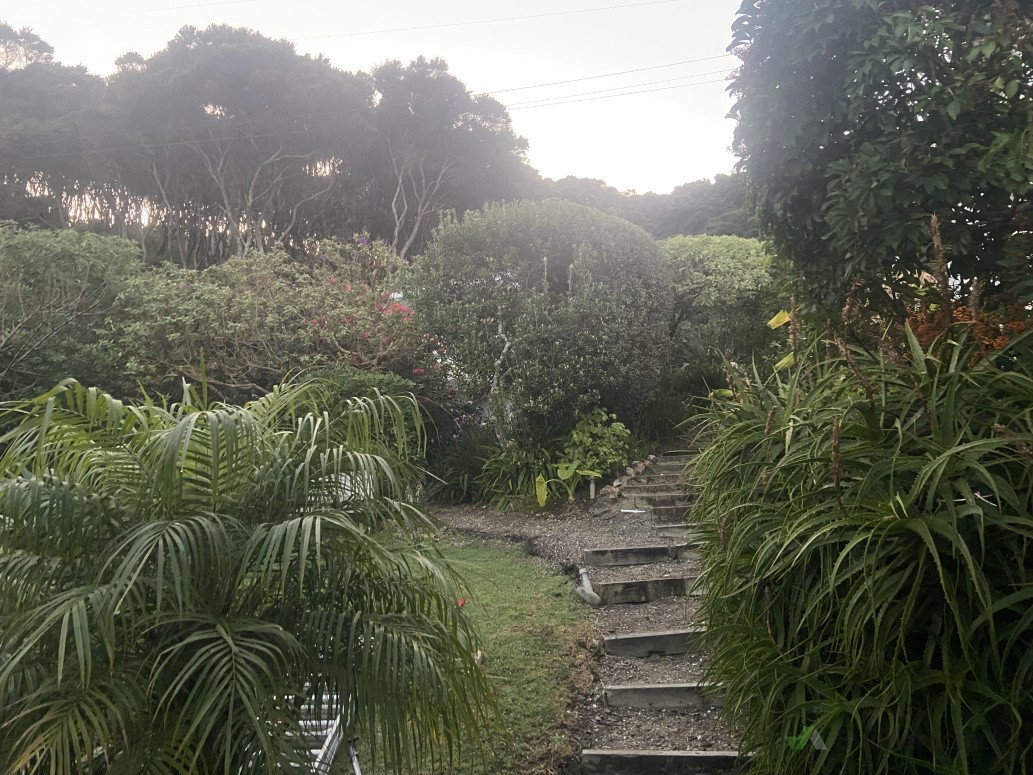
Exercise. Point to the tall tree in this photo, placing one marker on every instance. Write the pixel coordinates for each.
(445, 149)
(860, 120)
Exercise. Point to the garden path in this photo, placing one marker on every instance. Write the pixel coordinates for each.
(655, 717)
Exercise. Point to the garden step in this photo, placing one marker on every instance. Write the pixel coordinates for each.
(666, 484)
(661, 498)
(595, 761)
(677, 530)
(656, 643)
(673, 513)
(643, 590)
(682, 695)
(633, 555)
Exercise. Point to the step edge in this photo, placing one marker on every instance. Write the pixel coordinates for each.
(673, 752)
(654, 633)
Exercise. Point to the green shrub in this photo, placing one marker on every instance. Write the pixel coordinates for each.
(57, 290)
(867, 524)
(457, 461)
(550, 309)
(598, 443)
(177, 581)
(725, 291)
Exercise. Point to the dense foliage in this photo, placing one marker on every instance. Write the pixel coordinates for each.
(86, 306)
(227, 141)
(549, 309)
(57, 290)
(725, 291)
(868, 526)
(717, 207)
(177, 580)
(860, 119)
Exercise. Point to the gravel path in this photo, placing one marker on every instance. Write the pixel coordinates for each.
(559, 539)
(650, 670)
(637, 729)
(667, 614)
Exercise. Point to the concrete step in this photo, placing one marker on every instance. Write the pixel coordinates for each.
(632, 555)
(683, 695)
(671, 513)
(596, 761)
(643, 590)
(656, 643)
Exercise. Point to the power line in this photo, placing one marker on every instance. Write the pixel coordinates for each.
(607, 75)
(133, 11)
(531, 106)
(570, 99)
(486, 21)
(363, 109)
(619, 88)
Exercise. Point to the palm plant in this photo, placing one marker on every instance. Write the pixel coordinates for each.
(868, 560)
(177, 581)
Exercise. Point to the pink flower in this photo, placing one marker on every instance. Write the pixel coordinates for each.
(418, 371)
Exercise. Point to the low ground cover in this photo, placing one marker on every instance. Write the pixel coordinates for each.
(529, 626)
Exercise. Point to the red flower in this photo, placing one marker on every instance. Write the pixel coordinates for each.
(418, 371)
(461, 602)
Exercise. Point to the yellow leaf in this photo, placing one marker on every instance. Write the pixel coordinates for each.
(779, 320)
(789, 360)
(541, 489)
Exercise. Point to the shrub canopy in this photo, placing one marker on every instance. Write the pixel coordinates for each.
(867, 525)
(550, 309)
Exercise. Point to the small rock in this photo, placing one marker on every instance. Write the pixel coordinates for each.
(651, 458)
(617, 483)
(629, 471)
(640, 468)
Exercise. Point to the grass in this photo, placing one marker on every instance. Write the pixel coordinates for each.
(529, 624)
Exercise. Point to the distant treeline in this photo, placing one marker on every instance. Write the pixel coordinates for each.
(227, 141)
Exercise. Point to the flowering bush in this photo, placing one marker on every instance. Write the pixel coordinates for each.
(252, 320)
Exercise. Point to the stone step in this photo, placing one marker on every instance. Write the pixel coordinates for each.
(672, 513)
(683, 695)
(633, 555)
(661, 489)
(656, 643)
(643, 590)
(676, 530)
(658, 498)
(596, 761)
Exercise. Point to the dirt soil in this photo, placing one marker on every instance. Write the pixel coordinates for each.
(559, 539)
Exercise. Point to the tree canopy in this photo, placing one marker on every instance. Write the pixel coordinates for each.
(858, 121)
(227, 141)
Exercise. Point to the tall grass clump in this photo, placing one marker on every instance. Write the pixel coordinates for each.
(867, 519)
(177, 581)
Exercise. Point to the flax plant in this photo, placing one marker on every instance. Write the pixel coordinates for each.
(868, 560)
(177, 581)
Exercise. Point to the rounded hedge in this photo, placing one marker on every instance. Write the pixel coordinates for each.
(548, 309)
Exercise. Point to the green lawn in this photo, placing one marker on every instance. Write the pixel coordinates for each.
(528, 621)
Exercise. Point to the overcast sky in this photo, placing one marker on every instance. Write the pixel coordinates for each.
(667, 134)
